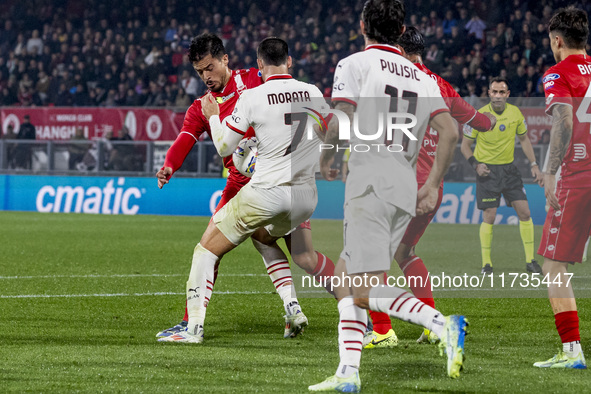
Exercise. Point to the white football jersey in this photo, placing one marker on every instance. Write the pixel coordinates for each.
(379, 81)
(287, 153)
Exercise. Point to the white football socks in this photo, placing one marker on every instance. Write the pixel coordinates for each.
(278, 270)
(403, 305)
(287, 294)
(199, 286)
(352, 325)
(572, 349)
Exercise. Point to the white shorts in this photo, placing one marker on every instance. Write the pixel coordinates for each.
(279, 209)
(372, 231)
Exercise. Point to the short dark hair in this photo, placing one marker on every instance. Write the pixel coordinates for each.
(573, 25)
(273, 51)
(412, 41)
(499, 79)
(206, 44)
(384, 20)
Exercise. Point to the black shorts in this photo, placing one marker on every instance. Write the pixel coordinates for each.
(503, 179)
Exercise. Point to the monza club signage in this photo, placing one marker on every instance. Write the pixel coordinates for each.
(52, 123)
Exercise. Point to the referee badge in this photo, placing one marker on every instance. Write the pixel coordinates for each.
(502, 127)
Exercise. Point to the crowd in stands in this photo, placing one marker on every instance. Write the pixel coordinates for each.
(132, 53)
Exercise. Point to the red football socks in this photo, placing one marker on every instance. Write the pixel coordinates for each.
(323, 271)
(420, 284)
(567, 324)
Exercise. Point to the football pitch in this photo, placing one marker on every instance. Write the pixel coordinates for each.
(82, 297)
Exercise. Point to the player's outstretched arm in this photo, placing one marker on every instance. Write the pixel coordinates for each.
(464, 113)
(491, 118)
(175, 157)
(560, 136)
(448, 137)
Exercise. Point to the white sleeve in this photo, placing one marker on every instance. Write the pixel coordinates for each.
(227, 134)
(347, 82)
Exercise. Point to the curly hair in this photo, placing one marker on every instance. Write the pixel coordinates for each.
(384, 20)
(206, 44)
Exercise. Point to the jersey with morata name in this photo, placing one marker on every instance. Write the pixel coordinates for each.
(379, 81)
(569, 83)
(284, 157)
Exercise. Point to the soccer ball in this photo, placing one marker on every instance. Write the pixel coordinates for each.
(245, 156)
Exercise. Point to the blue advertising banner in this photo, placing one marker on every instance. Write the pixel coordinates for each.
(199, 197)
(459, 205)
(110, 195)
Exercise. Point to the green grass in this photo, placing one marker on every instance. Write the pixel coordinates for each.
(90, 342)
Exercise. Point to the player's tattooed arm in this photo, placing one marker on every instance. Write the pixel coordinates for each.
(560, 135)
(331, 141)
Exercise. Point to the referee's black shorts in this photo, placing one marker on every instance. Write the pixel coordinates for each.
(503, 179)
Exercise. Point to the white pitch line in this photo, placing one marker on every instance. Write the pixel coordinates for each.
(167, 293)
(98, 276)
(164, 293)
(115, 276)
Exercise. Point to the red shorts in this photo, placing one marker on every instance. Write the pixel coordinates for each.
(417, 226)
(566, 231)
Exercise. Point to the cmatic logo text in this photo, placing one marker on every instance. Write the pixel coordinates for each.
(109, 200)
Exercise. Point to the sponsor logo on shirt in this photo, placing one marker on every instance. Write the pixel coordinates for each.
(502, 127)
(225, 98)
(550, 77)
(580, 152)
(548, 84)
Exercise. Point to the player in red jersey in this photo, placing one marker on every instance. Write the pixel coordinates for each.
(568, 97)
(412, 45)
(210, 61)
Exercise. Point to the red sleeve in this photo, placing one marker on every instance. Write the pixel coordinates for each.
(480, 122)
(556, 88)
(178, 152)
(460, 110)
(194, 125)
(194, 122)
